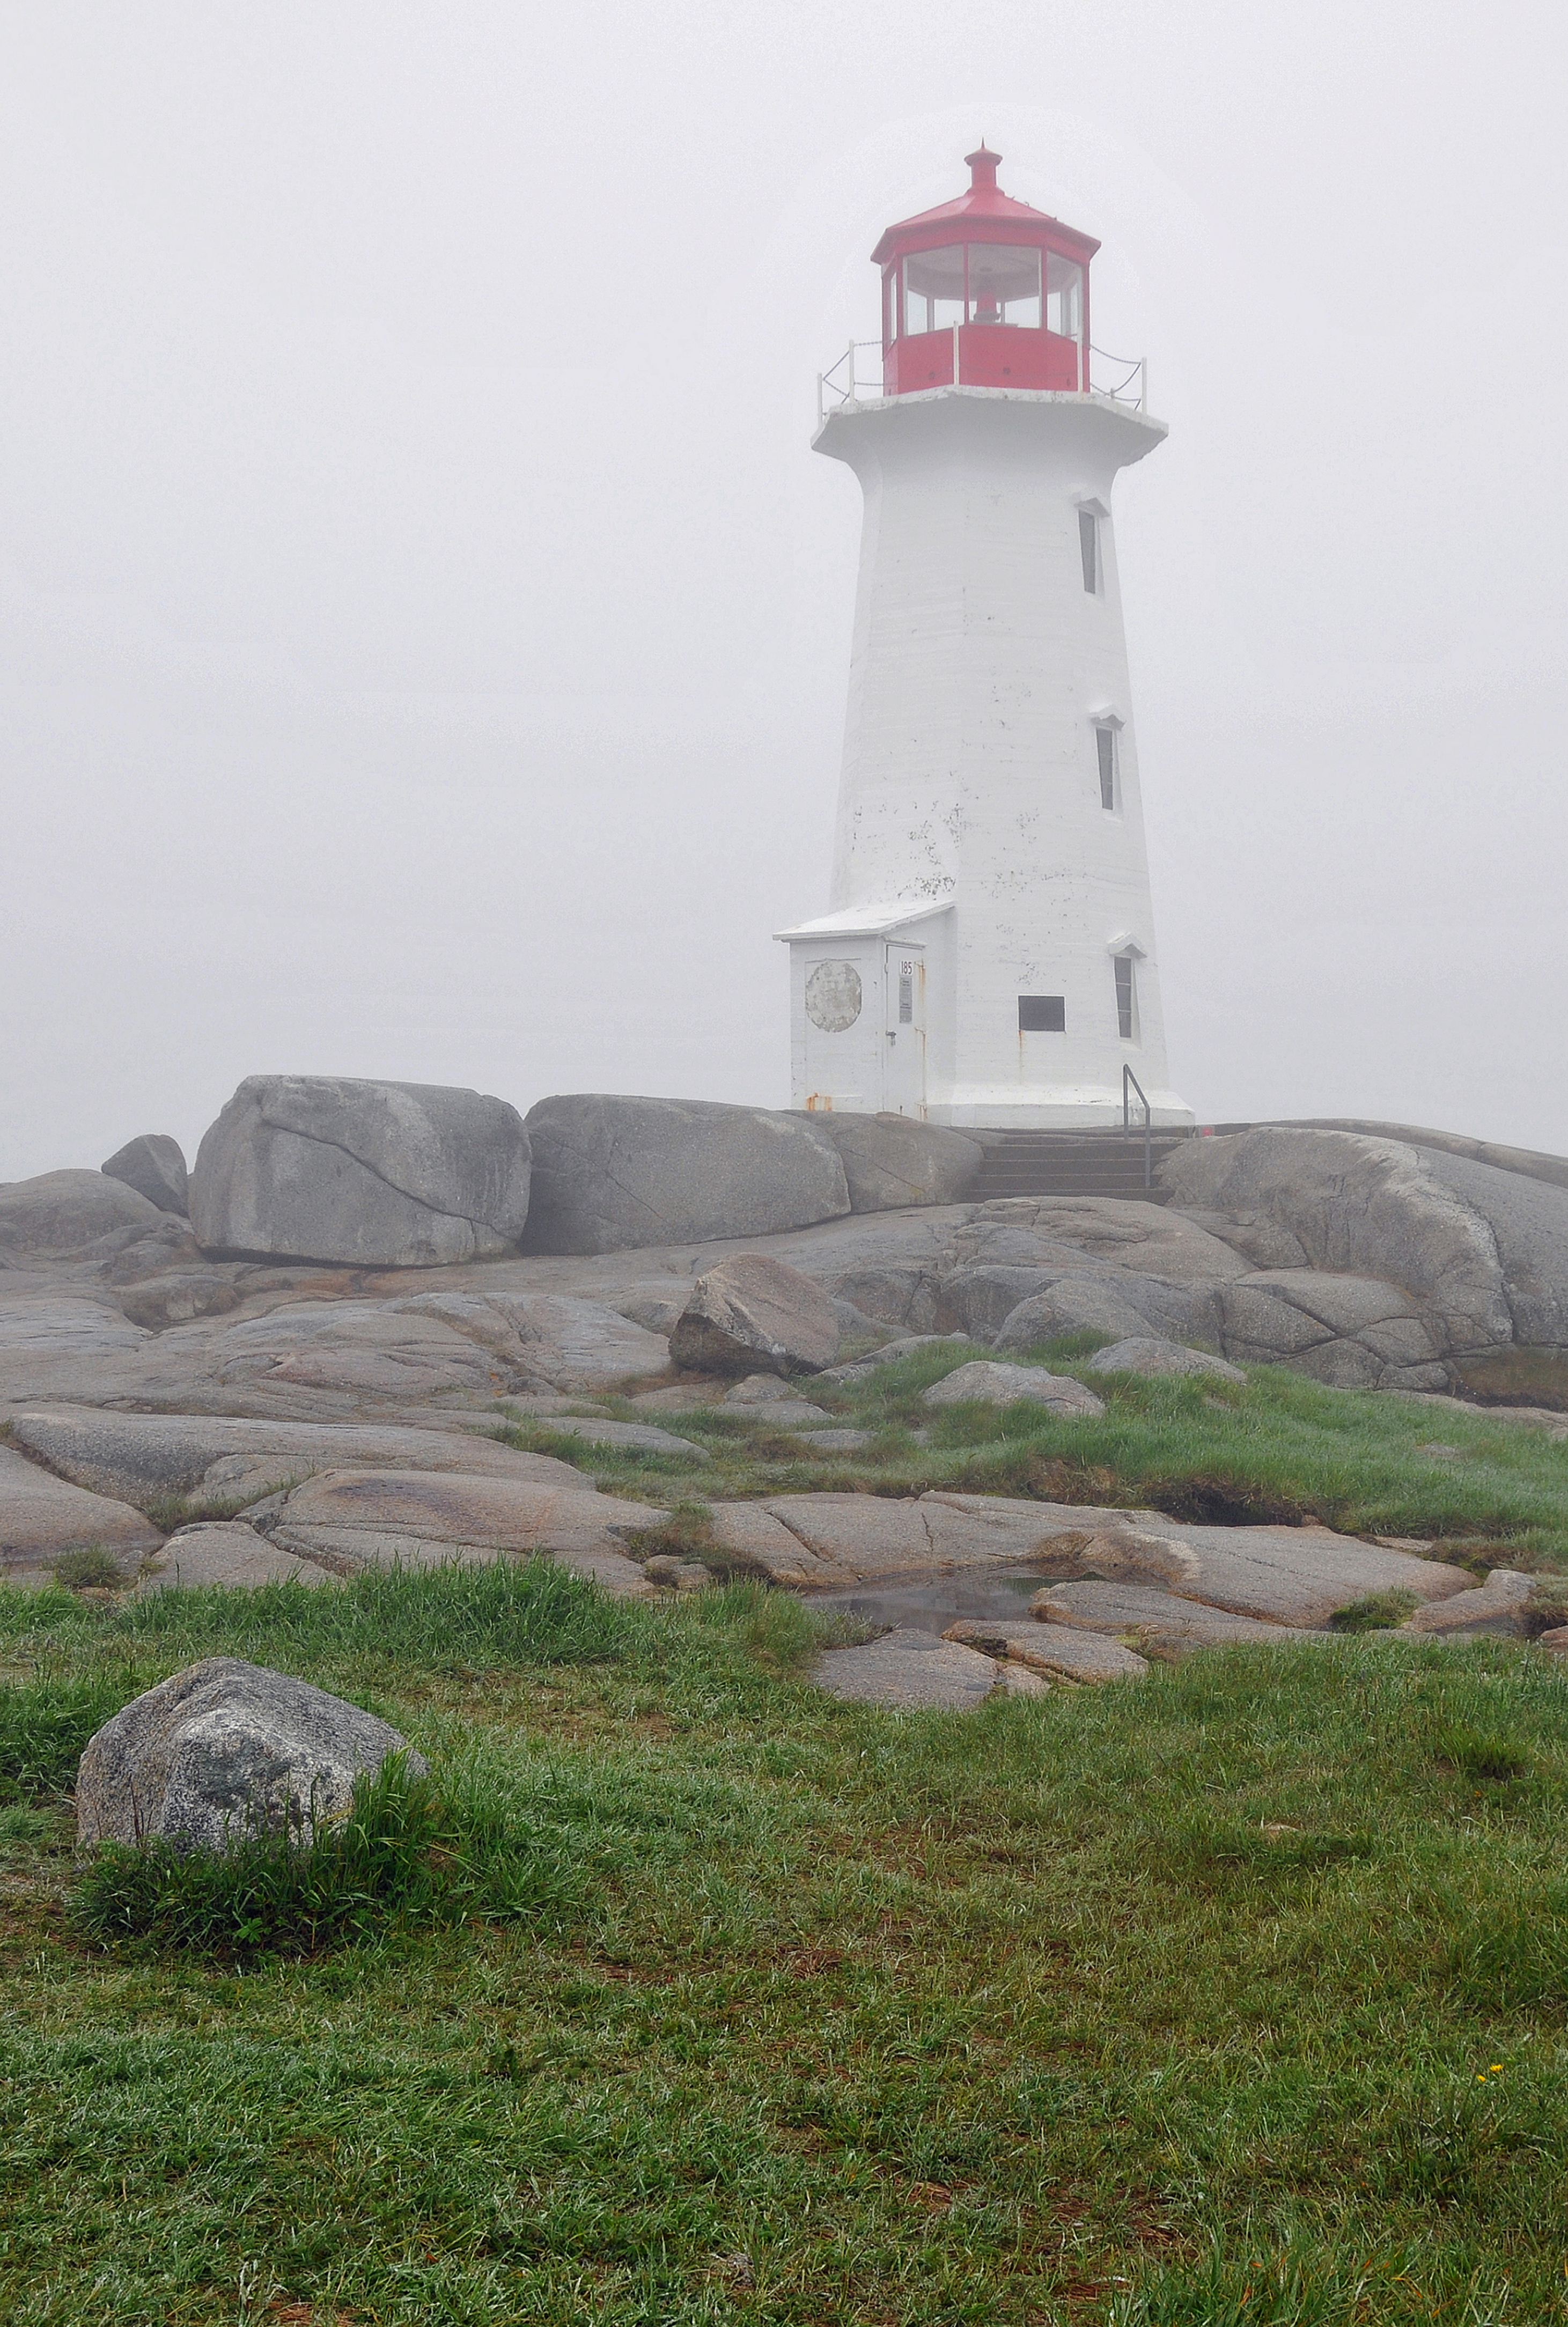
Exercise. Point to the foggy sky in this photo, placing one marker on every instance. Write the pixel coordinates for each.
(424, 630)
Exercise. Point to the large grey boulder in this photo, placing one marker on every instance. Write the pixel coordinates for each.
(1365, 1208)
(404, 1175)
(890, 1160)
(68, 1212)
(155, 1165)
(1529, 1219)
(612, 1173)
(1353, 1332)
(1073, 1305)
(751, 1314)
(224, 1749)
(1151, 1358)
(1529, 1160)
(1123, 1267)
(984, 1383)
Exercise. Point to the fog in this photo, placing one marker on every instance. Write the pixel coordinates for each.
(424, 629)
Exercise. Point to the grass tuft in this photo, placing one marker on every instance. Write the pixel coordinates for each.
(92, 1568)
(1472, 1753)
(46, 1723)
(401, 1854)
(1374, 1612)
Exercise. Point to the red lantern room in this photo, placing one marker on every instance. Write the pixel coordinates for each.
(985, 292)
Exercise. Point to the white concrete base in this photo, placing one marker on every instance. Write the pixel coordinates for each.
(1065, 1107)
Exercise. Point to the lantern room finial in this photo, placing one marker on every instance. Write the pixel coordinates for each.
(983, 165)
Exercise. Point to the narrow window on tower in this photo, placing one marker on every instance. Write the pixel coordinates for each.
(1126, 998)
(1041, 1013)
(1110, 771)
(1090, 549)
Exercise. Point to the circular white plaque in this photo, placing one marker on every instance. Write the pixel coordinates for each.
(833, 995)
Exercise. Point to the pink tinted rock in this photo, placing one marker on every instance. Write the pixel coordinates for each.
(750, 1315)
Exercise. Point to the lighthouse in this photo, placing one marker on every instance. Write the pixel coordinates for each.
(988, 955)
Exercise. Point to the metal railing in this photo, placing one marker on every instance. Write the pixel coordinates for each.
(858, 373)
(843, 382)
(1130, 1083)
(1121, 391)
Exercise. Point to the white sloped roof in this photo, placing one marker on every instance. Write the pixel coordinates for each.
(865, 920)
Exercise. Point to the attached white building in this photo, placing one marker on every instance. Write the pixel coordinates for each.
(989, 955)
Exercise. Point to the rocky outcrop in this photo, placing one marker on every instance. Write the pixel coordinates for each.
(752, 1314)
(890, 1160)
(1274, 1574)
(154, 1166)
(1061, 1652)
(1361, 1207)
(1097, 1262)
(349, 1520)
(1161, 1622)
(226, 1553)
(908, 1670)
(1529, 1219)
(1353, 1332)
(224, 1750)
(142, 1458)
(1502, 1604)
(43, 1518)
(406, 1175)
(612, 1173)
(1073, 1305)
(63, 1213)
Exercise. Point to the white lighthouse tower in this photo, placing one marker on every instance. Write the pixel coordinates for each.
(989, 955)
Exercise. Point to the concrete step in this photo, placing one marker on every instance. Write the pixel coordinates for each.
(1071, 1164)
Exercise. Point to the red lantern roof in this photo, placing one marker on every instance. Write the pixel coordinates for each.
(985, 292)
(984, 206)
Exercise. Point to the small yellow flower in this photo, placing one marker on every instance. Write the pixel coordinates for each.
(1496, 2067)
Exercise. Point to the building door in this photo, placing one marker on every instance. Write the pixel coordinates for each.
(904, 1064)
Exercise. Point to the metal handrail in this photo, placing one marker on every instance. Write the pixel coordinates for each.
(842, 382)
(1130, 1079)
(1137, 369)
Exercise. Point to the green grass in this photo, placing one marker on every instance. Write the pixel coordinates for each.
(1240, 1996)
(1281, 1448)
(1376, 1612)
(90, 1568)
(407, 1854)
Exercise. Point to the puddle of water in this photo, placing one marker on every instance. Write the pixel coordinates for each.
(932, 1607)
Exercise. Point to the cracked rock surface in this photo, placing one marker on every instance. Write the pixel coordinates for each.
(321, 1167)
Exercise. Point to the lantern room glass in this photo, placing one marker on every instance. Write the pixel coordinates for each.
(934, 289)
(1004, 285)
(1064, 296)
